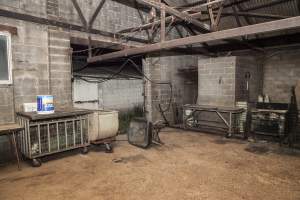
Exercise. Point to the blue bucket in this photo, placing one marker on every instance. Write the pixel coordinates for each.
(45, 104)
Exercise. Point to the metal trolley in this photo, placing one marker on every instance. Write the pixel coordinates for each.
(52, 133)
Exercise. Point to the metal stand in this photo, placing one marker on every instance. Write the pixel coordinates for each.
(12, 138)
(190, 121)
(10, 131)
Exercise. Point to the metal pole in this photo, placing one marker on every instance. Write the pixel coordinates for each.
(49, 140)
(66, 134)
(39, 138)
(57, 135)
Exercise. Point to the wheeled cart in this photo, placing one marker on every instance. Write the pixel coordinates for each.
(52, 133)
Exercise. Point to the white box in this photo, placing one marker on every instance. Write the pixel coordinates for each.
(29, 107)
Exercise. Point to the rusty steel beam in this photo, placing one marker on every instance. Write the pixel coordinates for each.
(278, 25)
(181, 15)
(168, 19)
(163, 23)
(11, 29)
(198, 15)
(93, 18)
(193, 4)
(81, 16)
(61, 24)
(155, 23)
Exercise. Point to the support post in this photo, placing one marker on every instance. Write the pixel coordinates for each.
(163, 23)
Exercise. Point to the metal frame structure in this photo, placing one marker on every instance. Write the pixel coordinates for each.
(45, 137)
(194, 19)
(190, 120)
(277, 25)
(197, 18)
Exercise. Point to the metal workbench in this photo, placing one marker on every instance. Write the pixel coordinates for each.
(11, 130)
(52, 133)
(229, 116)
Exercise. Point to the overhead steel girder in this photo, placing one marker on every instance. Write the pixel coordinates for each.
(278, 25)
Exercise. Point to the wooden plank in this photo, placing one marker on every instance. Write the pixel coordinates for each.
(57, 114)
(7, 128)
(278, 25)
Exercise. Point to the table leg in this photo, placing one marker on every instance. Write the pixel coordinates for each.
(230, 125)
(16, 149)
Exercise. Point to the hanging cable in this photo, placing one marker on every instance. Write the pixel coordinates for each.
(120, 69)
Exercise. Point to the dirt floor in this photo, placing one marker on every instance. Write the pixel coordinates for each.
(190, 165)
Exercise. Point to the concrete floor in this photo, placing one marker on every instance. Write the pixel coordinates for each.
(189, 166)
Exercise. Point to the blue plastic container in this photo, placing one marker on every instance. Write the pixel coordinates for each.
(45, 104)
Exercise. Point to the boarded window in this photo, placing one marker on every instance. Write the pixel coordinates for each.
(5, 73)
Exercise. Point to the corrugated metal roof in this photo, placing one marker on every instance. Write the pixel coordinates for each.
(287, 8)
(284, 8)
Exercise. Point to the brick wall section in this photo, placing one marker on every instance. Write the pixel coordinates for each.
(281, 72)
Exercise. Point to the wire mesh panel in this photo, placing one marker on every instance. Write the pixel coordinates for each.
(140, 132)
(46, 137)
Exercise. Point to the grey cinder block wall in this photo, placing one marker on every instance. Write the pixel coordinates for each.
(42, 55)
(222, 80)
(160, 68)
(281, 72)
(117, 94)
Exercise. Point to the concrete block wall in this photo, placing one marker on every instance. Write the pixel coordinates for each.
(113, 16)
(30, 64)
(281, 72)
(121, 95)
(29, 72)
(116, 94)
(222, 80)
(32, 50)
(60, 67)
(32, 7)
(216, 81)
(248, 64)
(162, 68)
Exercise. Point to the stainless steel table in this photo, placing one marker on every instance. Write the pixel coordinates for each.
(189, 119)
